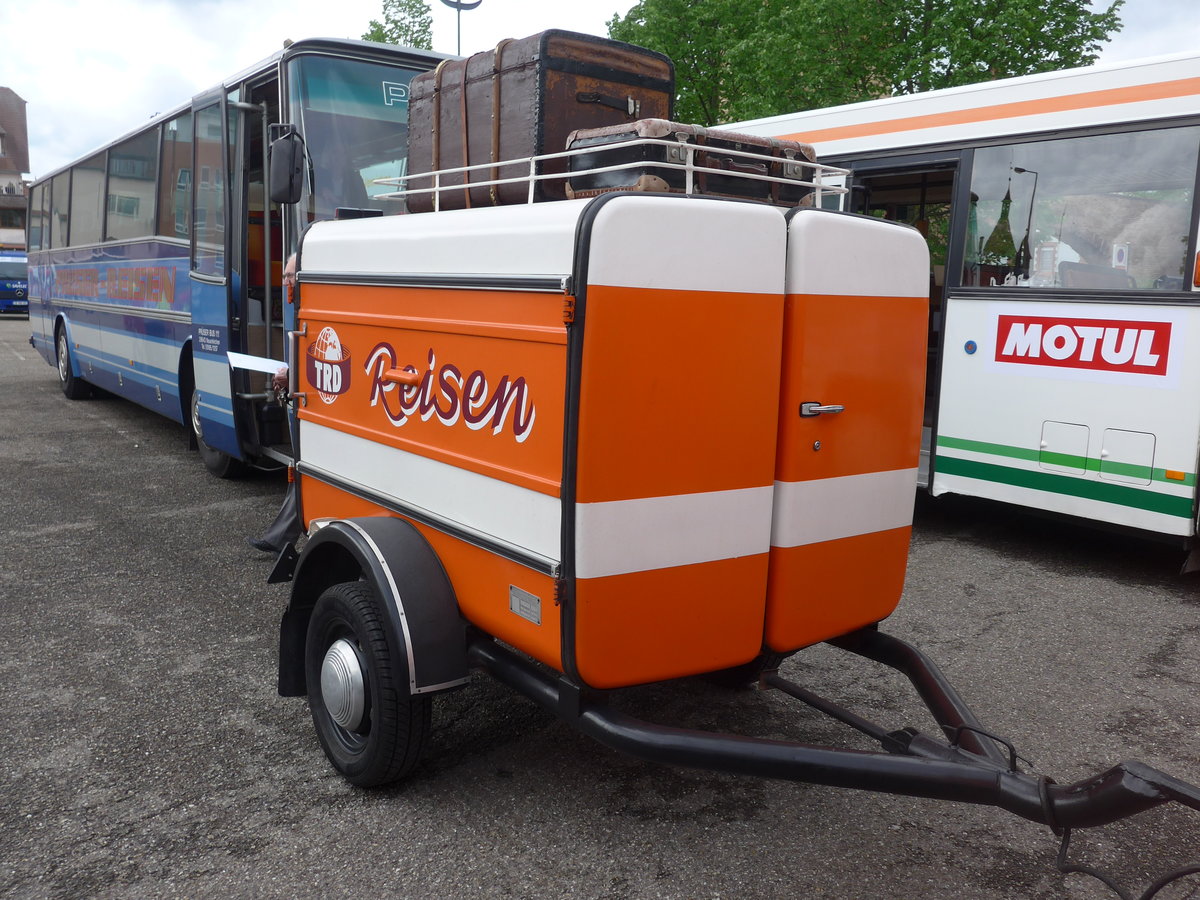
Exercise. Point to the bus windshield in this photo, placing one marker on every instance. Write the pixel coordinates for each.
(354, 119)
(1101, 212)
(13, 270)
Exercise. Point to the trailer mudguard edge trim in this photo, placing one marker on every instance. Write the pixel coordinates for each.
(417, 601)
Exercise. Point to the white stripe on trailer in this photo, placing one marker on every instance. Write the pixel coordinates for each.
(828, 509)
(618, 537)
(491, 508)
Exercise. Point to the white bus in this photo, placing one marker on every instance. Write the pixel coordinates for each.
(1061, 214)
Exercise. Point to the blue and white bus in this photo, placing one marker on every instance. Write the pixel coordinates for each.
(154, 257)
(14, 282)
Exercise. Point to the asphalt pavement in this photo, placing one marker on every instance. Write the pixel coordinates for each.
(146, 754)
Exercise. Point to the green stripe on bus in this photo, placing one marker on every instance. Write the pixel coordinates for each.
(1121, 495)
(1067, 460)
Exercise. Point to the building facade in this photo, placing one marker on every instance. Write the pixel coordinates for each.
(14, 166)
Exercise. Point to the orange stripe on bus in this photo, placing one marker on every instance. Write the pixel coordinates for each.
(820, 591)
(666, 623)
(480, 578)
(1163, 90)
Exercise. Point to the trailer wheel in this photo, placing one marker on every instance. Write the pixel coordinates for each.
(216, 461)
(74, 388)
(748, 673)
(371, 728)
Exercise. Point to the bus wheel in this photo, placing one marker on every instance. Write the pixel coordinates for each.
(219, 463)
(74, 388)
(371, 728)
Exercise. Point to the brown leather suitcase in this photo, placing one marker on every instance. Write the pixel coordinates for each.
(522, 99)
(772, 157)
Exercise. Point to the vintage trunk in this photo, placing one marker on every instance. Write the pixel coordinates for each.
(773, 157)
(522, 99)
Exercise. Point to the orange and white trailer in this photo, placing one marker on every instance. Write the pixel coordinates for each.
(592, 444)
(606, 429)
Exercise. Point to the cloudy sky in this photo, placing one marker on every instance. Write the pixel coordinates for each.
(92, 70)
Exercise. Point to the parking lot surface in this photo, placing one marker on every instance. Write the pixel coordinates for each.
(146, 754)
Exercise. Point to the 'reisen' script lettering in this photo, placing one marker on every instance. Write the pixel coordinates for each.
(445, 393)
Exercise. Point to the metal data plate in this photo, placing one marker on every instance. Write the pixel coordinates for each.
(525, 604)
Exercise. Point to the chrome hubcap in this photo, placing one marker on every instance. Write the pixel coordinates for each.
(63, 365)
(342, 685)
(196, 416)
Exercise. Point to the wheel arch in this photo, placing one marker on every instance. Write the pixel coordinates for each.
(186, 379)
(416, 598)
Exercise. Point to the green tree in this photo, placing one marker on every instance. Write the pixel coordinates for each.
(740, 59)
(946, 43)
(700, 36)
(405, 22)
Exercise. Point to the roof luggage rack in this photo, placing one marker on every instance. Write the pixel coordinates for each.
(680, 157)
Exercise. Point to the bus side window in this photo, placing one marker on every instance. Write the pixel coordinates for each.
(1099, 212)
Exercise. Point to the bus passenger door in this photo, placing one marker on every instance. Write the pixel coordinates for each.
(258, 262)
(916, 191)
(212, 280)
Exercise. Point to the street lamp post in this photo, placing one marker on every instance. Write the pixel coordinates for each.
(459, 6)
(1026, 265)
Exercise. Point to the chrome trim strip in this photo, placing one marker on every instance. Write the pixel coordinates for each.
(549, 284)
(147, 312)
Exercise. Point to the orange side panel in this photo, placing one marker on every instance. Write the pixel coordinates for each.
(858, 352)
(480, 579)
(666, 623)
(834, 587)
(490, 369)
(678, 393)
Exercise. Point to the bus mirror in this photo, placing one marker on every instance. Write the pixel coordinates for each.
(287, 168)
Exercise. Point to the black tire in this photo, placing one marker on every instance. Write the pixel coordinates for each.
(748, 673)
(216, 461)
(74, 388)
(390, 736)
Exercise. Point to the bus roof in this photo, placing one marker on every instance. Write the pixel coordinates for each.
(1146, 89)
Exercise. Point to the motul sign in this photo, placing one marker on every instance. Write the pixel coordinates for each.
(1112, 346)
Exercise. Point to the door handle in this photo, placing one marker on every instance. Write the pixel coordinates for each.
(807, 410)
(405, 377)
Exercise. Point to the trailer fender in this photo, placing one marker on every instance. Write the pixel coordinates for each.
(415, 596)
